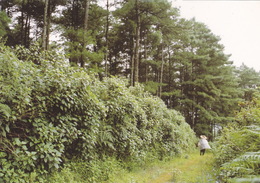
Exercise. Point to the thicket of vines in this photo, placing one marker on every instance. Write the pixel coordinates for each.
(51, 112)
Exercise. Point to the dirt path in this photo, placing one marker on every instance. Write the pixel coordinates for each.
(191, 169)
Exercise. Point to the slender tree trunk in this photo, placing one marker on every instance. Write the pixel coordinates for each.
(48, 28)
(132, 64)
(27, 31)
(76, 14)
(193, 97)
(145, 57)
(170, 70)
(137, 43)
(106, 35)
(193, 114)
(86, 7)
(214, 130)
(73, 14)
(161, 75)
(22, 23)
(86, 17)
(26, 26)
(45, 26)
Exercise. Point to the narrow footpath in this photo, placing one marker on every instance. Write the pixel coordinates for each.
(190, 169)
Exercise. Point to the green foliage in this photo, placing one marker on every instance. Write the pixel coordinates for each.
(248, 80)
(237, 152)
(151, 87)
(208, 84)
(48, 107)
(249, 112)
(98, 170)
(244, 166)
(75, 51)
(236, 141)
(51, 113)
(180, 60)
(47, 59)
(4, 21)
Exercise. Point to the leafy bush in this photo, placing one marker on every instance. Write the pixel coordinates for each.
(237, 152)
(98, 170)
(46, 116)
(51, 113)
(250, 112)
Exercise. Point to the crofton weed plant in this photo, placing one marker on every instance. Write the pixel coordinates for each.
(95, 171)
(51, 114)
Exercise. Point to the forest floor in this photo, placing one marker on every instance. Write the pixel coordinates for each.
(191, 168)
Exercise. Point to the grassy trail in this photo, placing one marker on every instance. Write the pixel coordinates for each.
(194, 168)
(190, 169)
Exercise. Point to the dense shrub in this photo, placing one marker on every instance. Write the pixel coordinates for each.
(51, 113)
(94, 171)
(237, 152)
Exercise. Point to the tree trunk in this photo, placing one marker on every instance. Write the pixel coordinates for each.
(137, 43)
(170, 70)
(86, 17)
(132, 64)
(193, 110)
(145, 58)
(27, 31)
(106, 35)
(48, 27)
(22, 23)
(161, 76)
(45, 26)
(86, 7)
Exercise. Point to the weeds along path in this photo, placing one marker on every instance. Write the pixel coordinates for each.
(191, 169)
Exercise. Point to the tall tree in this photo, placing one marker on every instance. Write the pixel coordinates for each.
(140, 34)
(136, 43)
(205, 79)
(82, 25)
(85, 29)
(4, 21)
(45, 26)
(106, 38)
(249, 80)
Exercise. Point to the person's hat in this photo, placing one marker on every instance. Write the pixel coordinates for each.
(203, 137)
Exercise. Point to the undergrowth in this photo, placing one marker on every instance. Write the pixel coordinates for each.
(237, 153)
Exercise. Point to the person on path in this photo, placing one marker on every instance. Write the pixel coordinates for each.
(203, 144)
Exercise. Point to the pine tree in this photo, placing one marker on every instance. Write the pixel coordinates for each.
(249, 80)
(200, 65)
(4, 21)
